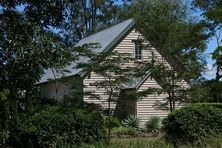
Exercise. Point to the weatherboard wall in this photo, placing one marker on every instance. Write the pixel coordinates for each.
(146, 106)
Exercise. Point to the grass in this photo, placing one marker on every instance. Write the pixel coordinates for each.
(144, 143)
(131, 143)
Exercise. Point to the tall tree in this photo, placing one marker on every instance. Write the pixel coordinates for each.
(83, 17)
(205, 91)
(179, 37)
(211, 11)
(27, 47)
(113, 68)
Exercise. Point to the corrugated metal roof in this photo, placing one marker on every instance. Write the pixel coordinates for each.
(104, 38)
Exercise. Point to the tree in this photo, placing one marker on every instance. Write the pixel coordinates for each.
(205, 91)
(115, 72)
(211, 11)
(83, 17)
(27, 47)
(171, 83)
(33, 40)
(179, 37)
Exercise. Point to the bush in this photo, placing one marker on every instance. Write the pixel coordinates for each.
(194, 124)
(124, 131)
(51, 125)
(139, 143)
(153, 124)
(114, 122)
(2, 139)
(4, 135)
(131, 122)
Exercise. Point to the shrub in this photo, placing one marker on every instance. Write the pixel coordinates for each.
(153, 124)
(124, 131)
(139, 143)
(114, 122)
(4, 135)
(57, 124)
(131, 121)
(2, 139)
(194, 124)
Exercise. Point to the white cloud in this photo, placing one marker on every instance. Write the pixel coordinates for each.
(210, 72)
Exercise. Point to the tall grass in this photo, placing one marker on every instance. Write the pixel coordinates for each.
(142, 143)
(131, 143)
(212, 143)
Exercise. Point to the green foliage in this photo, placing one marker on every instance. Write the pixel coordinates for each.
(211, 12)
(4, 136)
(2, 139)
(170, 81)
(131, 143)
(50, 125)
(194, 124)
(114, 122)
(206, 91)
(214, 142)
(115, 71)
(141, 143)
(179, 37)
(85, 17)
(210, 9)
(170, 29)
(4, 107)
(131, 122)
(28, 47)
(125, 131)
(214, 105)
(153, 124)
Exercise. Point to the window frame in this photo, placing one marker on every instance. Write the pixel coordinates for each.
(138, 55)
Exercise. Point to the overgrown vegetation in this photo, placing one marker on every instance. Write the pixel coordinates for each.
(145, 143)
(36, 36)
(132, 143)
(194, 124)
(126, 132)
(153, 124)
(49, 125)
(131, 122)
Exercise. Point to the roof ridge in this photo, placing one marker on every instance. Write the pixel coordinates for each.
(104, 29)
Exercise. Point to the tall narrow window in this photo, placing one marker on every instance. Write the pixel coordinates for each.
(152, 60)
(138, 51)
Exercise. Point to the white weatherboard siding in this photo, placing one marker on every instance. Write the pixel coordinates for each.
(107, 38)
(125, 46)
(146, 106)
(88, 87)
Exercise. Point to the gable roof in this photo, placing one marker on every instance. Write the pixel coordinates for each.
(106, 38)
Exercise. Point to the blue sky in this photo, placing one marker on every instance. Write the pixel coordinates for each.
(210, 73)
